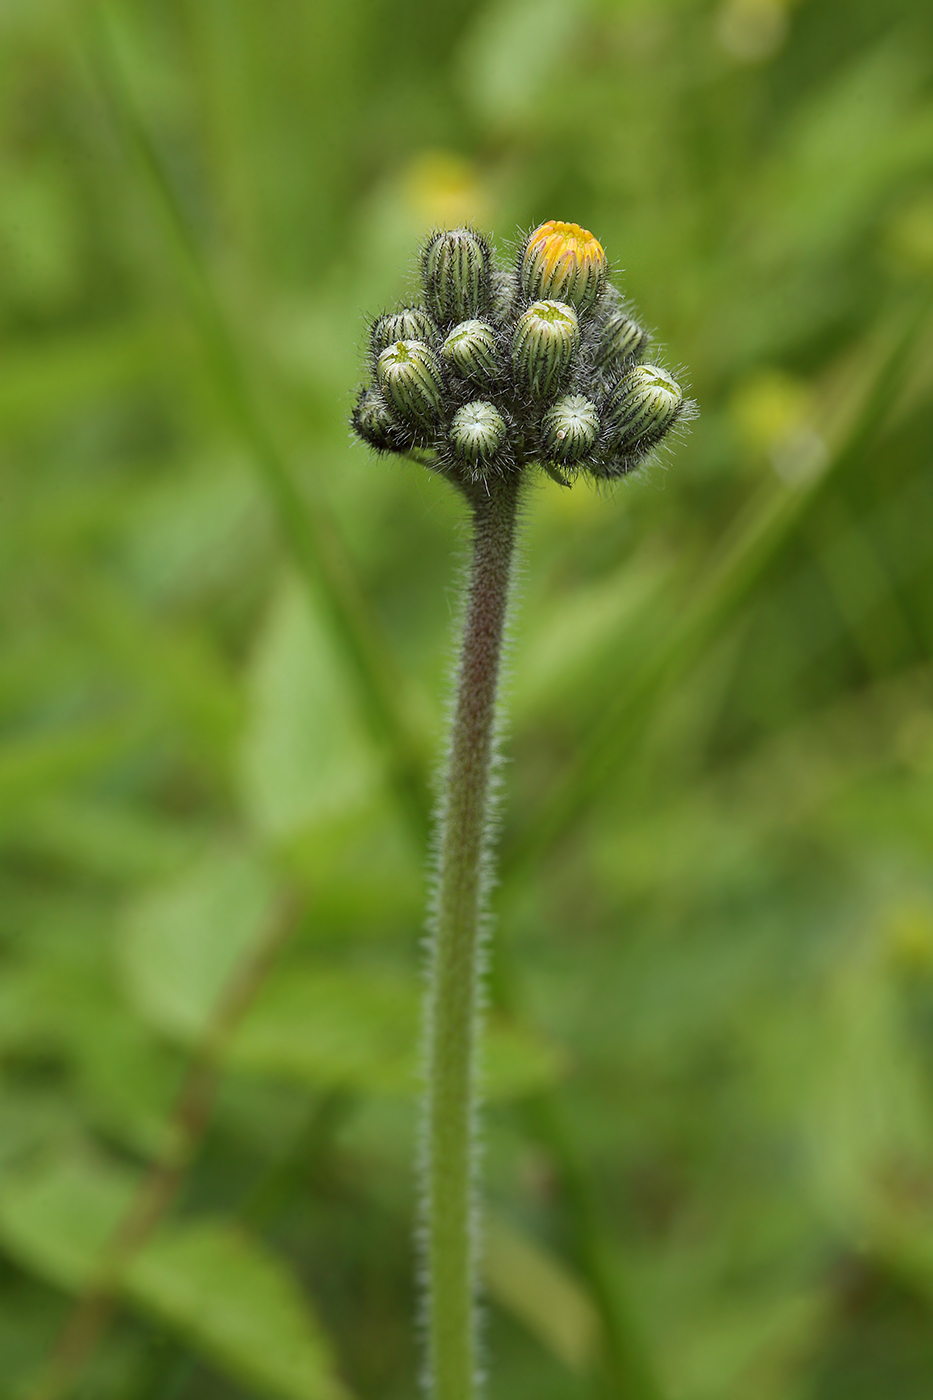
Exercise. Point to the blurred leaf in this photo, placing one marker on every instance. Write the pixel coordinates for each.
(183, 942)
(305, 758)
(513, 51)
(36, 765)
(213, 1285)
(359, 1028)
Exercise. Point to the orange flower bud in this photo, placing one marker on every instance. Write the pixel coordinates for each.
(563, 262)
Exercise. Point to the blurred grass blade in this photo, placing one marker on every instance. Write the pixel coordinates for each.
(758, 539)
(307, 527)
(537, 1289)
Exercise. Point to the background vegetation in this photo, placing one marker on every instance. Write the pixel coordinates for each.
(226, 640)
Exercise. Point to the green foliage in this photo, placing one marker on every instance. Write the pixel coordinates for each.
(225, 641)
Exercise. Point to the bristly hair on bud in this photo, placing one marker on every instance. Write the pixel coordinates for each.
(563, 262)
(500, 370)
(456, 268)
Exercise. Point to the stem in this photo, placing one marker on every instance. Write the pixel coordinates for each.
(456, 955)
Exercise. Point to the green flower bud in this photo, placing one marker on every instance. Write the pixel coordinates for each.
(563, 262)
(506, 294)
(569, 429)
(543, 346)
(471, 350)
(372, 420)
(411, 323)
(410, 378)
(456, 267)
(642, 407)
(620, 339)
(477, 432)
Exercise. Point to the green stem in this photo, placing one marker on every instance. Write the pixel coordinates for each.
(456, 955)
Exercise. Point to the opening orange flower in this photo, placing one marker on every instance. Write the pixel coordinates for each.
(563, 262)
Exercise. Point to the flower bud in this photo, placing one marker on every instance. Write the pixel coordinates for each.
(456, 267)
(563, 262)
(411, 323)
(410, 378)
(543, 346)
(506, 294)
(642, 407)
(620, 339)
(372, 420)
(471, 351)
(569, 429)
(477, 432)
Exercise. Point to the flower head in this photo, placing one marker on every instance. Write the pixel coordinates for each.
(500, 370)
(563, 262)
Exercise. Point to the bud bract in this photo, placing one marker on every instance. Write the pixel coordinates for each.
(372, 420)
(472, 351)
(456, 267)
(410, 378)
(620, 339)
(411, 323)
(543, 346)
(569, 429)
(506, 294)
(642, 407)
(477, 432)
(563, 262)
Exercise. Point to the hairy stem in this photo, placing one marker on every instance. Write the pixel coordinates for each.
(456, 954)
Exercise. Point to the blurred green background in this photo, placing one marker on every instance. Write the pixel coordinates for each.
(226, 643)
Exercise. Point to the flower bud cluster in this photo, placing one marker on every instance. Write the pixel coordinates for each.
(502, 367)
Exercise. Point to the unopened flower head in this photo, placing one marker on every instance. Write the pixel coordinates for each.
(477, 433)
(563, 262)
(457, 271)
(620, 339)
(471, 350)
(410, 378)
(642, 407)
(569, 429)
(375, 423)
(411, 323)
(543, 346)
